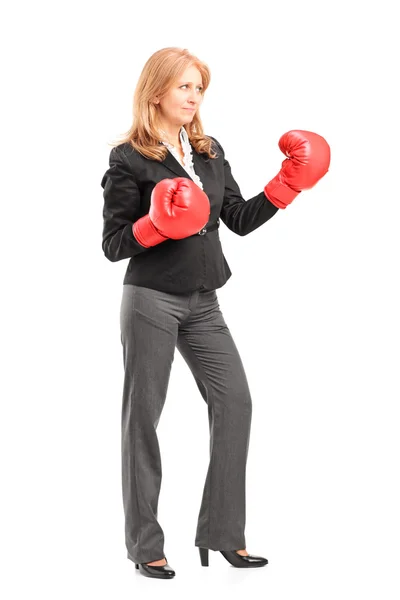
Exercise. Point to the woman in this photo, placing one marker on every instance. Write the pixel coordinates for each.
(167, 188)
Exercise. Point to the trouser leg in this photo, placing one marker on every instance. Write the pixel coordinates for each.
(148, 337)
(207, 346)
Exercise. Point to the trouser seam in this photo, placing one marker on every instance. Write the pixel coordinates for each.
(209, 398)
(132, 405)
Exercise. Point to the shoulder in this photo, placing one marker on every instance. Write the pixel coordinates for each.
(216, 146)
(122, 150)
(127, 155)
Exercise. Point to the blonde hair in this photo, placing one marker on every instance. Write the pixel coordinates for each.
(159, 73)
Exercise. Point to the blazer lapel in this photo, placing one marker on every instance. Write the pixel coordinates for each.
(199, 163)
(175, 166)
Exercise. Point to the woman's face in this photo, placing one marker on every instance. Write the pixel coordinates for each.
(185, 93)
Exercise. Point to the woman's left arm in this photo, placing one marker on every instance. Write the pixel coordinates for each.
(239, 215)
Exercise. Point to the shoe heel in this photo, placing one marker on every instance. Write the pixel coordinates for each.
(204, 556)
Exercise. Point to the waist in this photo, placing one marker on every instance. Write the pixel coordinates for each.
(205, 230)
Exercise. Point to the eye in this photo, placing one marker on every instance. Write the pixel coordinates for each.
(186, 85)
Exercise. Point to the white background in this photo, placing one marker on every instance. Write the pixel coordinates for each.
(318, 331)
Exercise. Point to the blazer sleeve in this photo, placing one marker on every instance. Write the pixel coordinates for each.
(121, 208)
(239, 215)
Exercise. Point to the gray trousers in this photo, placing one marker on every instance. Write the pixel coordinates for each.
(153, 323)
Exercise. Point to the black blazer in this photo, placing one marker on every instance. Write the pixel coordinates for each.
(175, 266)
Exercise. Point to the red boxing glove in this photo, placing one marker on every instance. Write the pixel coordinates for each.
(178, 208)
(309, 158)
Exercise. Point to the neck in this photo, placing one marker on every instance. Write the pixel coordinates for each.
(173, 137)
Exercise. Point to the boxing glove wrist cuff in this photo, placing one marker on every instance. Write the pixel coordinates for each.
(278, 193)
(146, 233)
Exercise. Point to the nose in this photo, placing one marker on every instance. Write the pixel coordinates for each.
(193, 98)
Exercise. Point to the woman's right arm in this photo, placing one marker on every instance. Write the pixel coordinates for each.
(121, 209)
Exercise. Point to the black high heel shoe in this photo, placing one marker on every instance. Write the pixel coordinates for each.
(162, 572)
(237, 560)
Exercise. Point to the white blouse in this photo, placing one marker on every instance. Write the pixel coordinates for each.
(188, 157)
